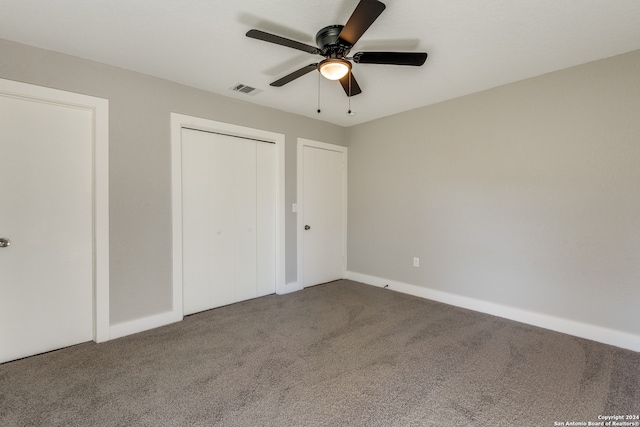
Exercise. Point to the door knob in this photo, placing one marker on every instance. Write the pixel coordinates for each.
(4, 242)
(306, 227)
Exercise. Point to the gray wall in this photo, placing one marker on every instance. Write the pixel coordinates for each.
(140, 162)
(526, 195)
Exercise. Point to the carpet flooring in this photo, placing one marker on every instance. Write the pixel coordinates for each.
(340, 354)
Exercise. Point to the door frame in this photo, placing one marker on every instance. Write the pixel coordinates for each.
(302, 142)
(99, 108)
(180, 121)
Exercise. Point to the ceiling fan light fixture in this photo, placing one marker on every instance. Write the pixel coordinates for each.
(334, 68)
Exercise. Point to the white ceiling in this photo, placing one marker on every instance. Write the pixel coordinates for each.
(473, 45)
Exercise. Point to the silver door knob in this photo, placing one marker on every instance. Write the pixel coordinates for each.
(4, 242)
(306, 227)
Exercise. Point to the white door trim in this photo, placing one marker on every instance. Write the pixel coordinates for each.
(179, 121)
(100, 110)
(300, 197)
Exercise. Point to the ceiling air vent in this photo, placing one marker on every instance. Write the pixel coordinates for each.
(245, 89)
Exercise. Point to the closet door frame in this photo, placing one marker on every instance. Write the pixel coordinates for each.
(180, 121)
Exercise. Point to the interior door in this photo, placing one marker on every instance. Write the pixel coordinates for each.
(207, 221)
(244, 204)
(323, 213)
(46, 271)
(229, 222)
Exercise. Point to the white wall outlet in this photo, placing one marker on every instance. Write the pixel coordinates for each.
(416, 262)
(294, 207)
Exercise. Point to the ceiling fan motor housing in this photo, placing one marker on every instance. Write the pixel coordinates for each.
(335, 42)
(328, 40)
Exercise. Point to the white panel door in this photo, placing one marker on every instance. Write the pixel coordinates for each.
(265, 219)
(244, 204)
(208, 221)
(46, 274)
(323, 215)
(228, 191)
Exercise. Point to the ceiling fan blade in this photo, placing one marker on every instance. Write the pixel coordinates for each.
(361, 19)
(298, 73)
(272, 38)
(392, 58)
(354, 88)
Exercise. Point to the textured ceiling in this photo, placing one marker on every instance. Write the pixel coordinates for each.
(473, 45)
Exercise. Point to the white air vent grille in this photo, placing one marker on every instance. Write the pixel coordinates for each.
(245, 89)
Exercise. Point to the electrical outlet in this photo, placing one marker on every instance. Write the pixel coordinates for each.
(416, 262)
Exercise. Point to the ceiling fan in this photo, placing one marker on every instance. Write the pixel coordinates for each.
(335, 42)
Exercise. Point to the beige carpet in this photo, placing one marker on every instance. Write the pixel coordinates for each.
(342, 354)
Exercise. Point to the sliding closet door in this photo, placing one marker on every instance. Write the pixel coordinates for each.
(228, 191)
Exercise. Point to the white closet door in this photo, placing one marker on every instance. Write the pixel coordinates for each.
(266, 219)
(244, 183)
(208, 221)
(228, 191)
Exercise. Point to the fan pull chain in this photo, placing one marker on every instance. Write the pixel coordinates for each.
(349, 95)
(319, 78)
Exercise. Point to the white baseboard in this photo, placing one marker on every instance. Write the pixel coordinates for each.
(558, 324)
(144, 324)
